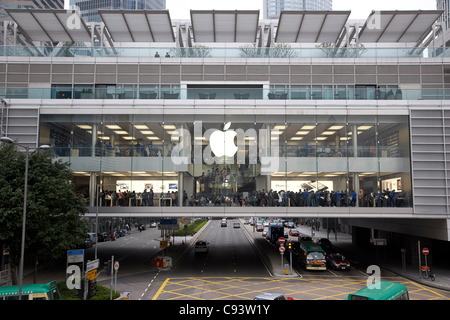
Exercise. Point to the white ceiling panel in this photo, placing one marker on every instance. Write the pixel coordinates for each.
(310, 26)
(224, 26)
(51, 25)
(398, 26)
(138, 25)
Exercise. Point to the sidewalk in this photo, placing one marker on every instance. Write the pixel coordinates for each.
(58, 273)
(344, 245)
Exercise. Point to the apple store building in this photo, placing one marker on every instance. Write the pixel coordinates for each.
(313, 114)
(230, 159)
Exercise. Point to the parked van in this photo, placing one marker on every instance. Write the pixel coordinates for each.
(91, 236)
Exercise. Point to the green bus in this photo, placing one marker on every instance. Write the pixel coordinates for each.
(45, 291)
(387, 291)
(312, 256)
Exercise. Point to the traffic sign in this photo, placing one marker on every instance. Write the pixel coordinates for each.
(425, 251)
(163, 244)
(91, 265)
(281, 249)
(75, 256)
(116, 265)
(92, 275)
(282, 240)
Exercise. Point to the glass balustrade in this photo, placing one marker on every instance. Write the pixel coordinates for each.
(207, 52)
(308, 93)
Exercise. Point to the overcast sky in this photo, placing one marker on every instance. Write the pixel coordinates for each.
(179, 9)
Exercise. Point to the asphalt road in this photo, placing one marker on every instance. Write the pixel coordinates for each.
(232, 269)
(229, 254)
(134, 253)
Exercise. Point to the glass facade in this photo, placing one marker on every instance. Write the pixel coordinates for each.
(232, 159)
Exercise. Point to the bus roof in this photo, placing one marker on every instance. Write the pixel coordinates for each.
(388, 291)
(28, 289)
(311, 246)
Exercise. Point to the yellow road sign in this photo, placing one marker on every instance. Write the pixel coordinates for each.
(163, 244)
(92, 275)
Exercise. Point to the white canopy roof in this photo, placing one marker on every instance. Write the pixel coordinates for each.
(224, 26)
(51, 25)
(310, 26)
(398, 26)
(138, 25)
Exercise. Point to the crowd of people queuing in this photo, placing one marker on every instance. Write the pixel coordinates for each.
(260, 198)
(304, 198)
(147, 198)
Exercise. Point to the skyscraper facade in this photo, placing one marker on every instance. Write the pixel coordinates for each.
(89, 8)
(273, 8)
(444, 5)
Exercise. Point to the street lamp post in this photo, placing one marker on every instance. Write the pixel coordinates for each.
(24, 215)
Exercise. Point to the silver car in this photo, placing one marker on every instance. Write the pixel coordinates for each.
(201, 246)
(272, 296)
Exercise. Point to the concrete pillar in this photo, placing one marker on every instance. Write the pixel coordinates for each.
(355, 140)
(268, 154)
(94, 140)
(92, 189)
(180, 188)
(356, 187)
(181, 173)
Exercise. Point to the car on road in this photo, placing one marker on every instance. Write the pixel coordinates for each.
(223, 224)
(289, 225)
(201, 246)
(88, 243)
(153, 225)
(294, 232)
(272, 296)
(337, 261)
(259, 228)
(236, 225)
(92, 237)
(102, 236)
(304, 238)
(264, 234)
(325, 244)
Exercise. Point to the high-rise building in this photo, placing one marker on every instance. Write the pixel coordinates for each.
(273, 8)
(444, 5)
(89, 8)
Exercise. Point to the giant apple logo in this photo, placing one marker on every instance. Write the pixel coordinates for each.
(222, 142)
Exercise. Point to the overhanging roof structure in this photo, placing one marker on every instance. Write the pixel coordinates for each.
(232, 26)
(225, 26)
(51, 25)
(310, 26)
(138, 25)
(398, 26)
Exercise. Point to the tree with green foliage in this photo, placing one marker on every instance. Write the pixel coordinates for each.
(54, 212)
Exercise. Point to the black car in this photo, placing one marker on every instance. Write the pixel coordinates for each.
(88, 243)
(304, 238)
(102, 236)
(325, 244)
